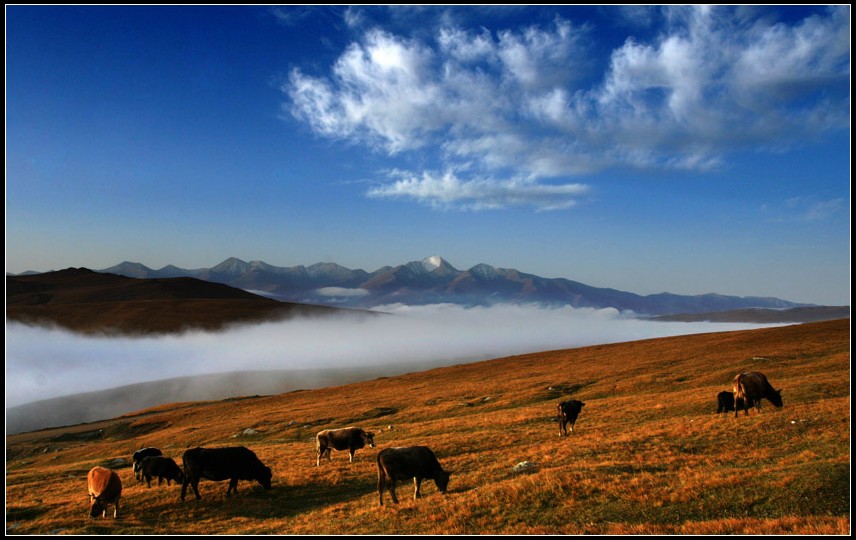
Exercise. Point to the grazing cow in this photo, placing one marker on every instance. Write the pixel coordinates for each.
(568, 413)
(105, 487)
(350, 438)
(725, 402)
(140, 455)
(417, 462)
(162, 468)
(233, 463)
(752, 387)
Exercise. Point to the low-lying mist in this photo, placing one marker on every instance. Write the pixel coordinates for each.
(42, 363)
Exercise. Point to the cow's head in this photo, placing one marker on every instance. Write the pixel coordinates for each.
(264, 477)
(775, 397)
(368, 438)
(96, 506)
(442, 481)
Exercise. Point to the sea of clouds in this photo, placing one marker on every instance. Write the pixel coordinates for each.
(46, 363)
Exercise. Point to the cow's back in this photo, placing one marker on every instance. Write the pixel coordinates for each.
(221, 463)
(105, 487)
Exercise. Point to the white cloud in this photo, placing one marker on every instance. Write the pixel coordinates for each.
(448, 191)
(342, 292)
(523, 103)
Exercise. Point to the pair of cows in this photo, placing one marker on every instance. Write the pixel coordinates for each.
(393, 464)
(748, 389)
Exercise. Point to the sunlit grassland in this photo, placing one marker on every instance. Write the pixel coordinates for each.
(649, 455)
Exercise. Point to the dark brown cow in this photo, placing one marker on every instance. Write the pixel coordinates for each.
(725, 402)
(752, 387)
(162, 468)
(417, 462)
(105, 487)
(142, 454)
(568, 413)
(349, 438)
(232, 463)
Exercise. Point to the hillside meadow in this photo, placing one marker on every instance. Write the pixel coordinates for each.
(649, 454)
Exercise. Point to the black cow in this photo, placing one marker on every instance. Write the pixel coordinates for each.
(162, 468)
(349, 438)
(568, 413)
(725, 402)
(232, 463)
(417, 462)
(140, 455)
(752, 387)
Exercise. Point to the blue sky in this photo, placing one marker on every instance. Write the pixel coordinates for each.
(681, 149)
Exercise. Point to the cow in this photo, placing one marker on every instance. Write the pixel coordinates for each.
(233, 463)
(105, 487)
(725, 402)
(417, 462)
(568, 413)
(752, 387)
(350, 438)
(162, 468)
(140, 455)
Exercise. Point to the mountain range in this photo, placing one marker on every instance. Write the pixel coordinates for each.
(433, 280)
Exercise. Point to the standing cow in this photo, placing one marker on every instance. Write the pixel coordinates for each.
(142, 454)
(725, 402)
(162, 468)
(105, 487)
(568, 413)
(752, 387)
(417, 462)
(350, 438)
(232, 463)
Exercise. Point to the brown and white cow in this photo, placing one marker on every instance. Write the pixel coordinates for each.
(752, 387)
(404, 463)
(105, 487)
(349, 438)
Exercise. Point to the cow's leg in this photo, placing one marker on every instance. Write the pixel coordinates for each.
(391, 485)
(233, 486)
(184, 487)
(160, 480)
(195, 485)
(116, 508)
(417, 481)
(351, 453)
(328, 452)
(318, 457)
(148, 480)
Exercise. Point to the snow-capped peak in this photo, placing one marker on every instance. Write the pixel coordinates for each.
(432, 263)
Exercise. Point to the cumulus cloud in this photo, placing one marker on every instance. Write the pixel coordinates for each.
(495, 104)
(42, 364)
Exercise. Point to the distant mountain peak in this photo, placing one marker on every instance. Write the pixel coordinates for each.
(433, 262)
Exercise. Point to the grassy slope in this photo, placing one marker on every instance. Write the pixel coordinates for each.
(649, 455)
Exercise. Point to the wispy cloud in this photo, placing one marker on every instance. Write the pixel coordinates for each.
(522, 102)
(810, 209)
(447, 190)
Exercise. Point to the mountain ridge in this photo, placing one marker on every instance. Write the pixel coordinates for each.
(434, 280)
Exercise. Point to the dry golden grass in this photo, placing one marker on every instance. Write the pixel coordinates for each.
(649, 456)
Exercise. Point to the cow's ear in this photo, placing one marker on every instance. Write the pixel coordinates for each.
(779, 391)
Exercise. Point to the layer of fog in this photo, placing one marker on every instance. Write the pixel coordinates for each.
(42, 364)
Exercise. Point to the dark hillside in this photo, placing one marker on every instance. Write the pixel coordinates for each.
(81, 300)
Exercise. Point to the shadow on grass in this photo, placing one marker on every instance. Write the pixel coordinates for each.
(281, 501)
